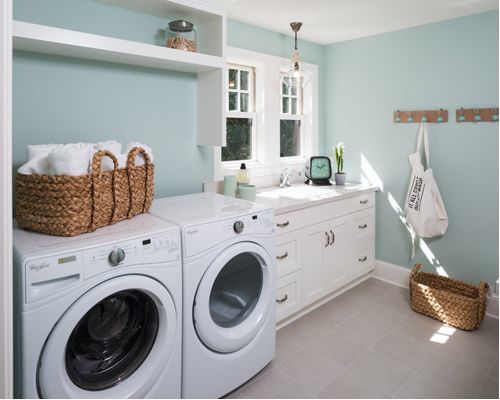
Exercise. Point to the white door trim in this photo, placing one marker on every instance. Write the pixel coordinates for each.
(6, 325)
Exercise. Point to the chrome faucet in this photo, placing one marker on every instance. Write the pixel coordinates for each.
(285, 177)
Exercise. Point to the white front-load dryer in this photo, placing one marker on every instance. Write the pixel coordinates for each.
(99, 315)
(229, 284)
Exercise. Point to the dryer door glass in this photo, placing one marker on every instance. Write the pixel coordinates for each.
(112, 340)
(236, 290)
(235, 297)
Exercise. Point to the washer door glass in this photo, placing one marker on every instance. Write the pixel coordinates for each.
(236, 290)
(234, 297)
(112, 340)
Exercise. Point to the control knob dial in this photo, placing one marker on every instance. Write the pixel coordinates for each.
(116, 256)
(238, 226)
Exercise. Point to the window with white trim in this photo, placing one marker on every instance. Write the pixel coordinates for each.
(291, 119)
(259, 112)
(240, 115)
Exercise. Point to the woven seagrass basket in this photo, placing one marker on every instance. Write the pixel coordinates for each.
(451, 301)
(72, 205)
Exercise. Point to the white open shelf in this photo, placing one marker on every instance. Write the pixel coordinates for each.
(68, 43)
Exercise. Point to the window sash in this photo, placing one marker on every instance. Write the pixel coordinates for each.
(238, 91)
(253, 136)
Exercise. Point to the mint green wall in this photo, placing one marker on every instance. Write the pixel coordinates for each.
(58, 99)
(448, 64)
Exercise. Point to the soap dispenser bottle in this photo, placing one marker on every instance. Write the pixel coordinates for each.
(243, 176)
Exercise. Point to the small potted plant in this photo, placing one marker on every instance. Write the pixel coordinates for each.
(340, 175)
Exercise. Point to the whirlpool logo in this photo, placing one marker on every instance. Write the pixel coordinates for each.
(38, 267)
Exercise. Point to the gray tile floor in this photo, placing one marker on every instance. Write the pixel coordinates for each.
(368, 343)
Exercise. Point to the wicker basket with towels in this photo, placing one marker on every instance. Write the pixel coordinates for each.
(72, 205)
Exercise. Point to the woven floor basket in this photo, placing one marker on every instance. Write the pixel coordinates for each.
(72, 205)
(451, 301)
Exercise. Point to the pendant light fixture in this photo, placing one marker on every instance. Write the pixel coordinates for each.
(296, 75)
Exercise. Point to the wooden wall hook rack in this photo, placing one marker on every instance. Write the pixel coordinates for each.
(477, 114)
(432, 116)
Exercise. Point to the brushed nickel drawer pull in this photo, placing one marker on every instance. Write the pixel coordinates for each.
(282, 257)
(283, 225)
(333, 237)
(363, 202)
(327, 240)
(363, 226)
(363, 259)
(283, 299)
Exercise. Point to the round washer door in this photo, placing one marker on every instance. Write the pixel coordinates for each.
(234, 297)
(113, 342)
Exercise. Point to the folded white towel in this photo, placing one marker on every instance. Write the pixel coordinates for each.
(38, 165)
(70, 159)
(114, 147)
(140, 160)
(40, 149)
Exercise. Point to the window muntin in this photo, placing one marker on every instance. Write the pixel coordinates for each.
(240, 116)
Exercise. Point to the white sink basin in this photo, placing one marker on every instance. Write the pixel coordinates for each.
(299, 192)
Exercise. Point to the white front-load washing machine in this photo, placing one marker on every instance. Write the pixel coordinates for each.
(99, 315)
(229, 284)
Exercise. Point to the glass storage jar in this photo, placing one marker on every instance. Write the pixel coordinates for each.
(181, 35)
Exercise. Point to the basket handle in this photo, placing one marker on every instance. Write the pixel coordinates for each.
(483, 289)
(148, 199)
(96, 184)
(414, 270)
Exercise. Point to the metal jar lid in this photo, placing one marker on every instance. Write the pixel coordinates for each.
(180, 26)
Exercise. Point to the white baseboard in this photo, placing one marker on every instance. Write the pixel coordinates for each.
(400, 276)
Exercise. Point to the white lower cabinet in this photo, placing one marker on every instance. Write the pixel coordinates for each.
(318, 258)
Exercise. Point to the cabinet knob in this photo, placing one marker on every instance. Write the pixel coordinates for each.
(283, 225)
(363, 259)
(283, 299)
(363, 202)
(327, 239)
(364, 226)
(282, 257)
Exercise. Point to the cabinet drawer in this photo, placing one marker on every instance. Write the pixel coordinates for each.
(363, 226)
(360, 202)
(288, 253)
(362, 261)
(288, 295)
(289, 222)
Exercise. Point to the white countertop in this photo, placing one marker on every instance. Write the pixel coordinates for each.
(299, 196)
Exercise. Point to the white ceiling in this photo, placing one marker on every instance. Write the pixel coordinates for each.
(328, 21)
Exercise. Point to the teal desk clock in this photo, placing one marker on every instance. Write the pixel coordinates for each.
(318, 171)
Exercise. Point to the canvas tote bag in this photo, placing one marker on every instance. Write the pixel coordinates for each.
(424, 208)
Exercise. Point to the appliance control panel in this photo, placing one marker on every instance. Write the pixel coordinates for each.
(160, 248)
(199, 238)
(45, 276)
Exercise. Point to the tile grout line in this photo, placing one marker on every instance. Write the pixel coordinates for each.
(485, 377)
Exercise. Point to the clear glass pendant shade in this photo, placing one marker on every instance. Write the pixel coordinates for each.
(296, 75)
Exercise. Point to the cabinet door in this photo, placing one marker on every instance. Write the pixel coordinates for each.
(337, 260)
(316, 241)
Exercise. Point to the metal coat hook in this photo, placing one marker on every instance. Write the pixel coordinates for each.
(439, 115)
(477, 116)
(424, 117)
(461, 115)
(410, 117)
(494, 114)
(398, 117)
